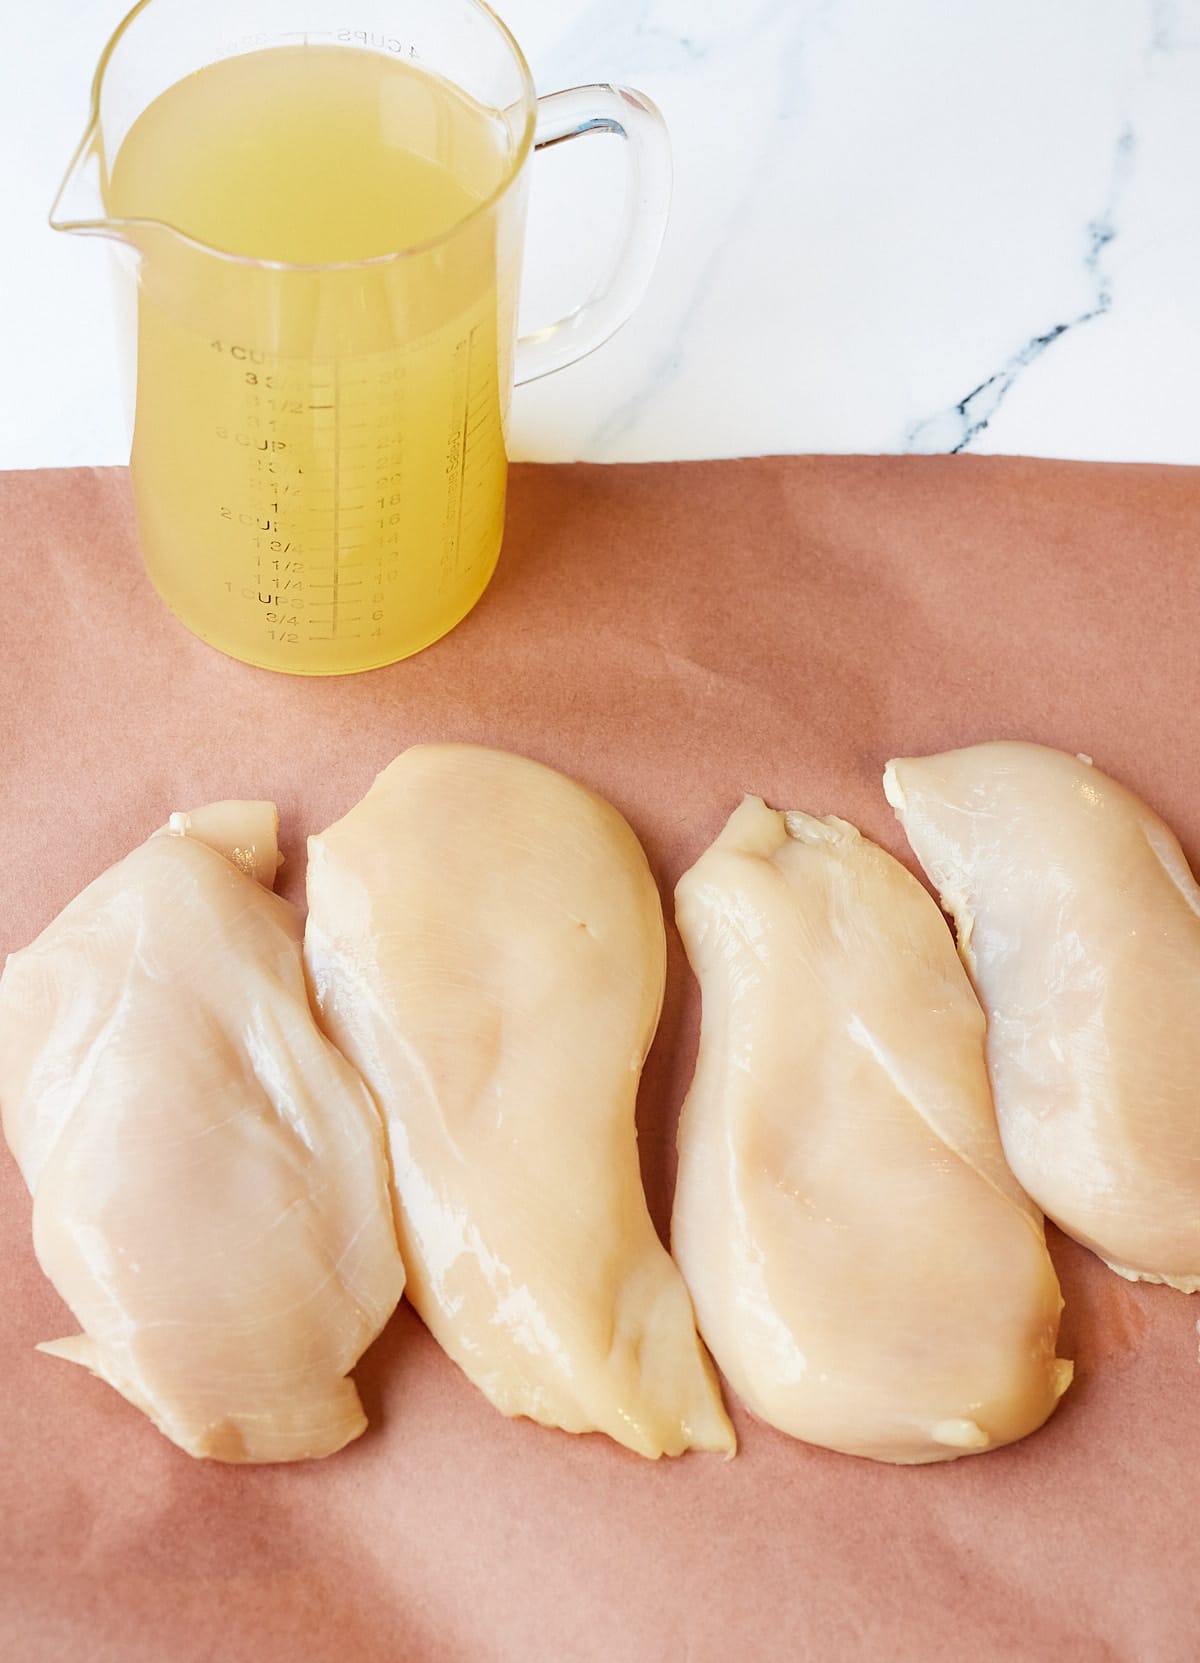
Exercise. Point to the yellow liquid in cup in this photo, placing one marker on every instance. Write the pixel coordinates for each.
(319, 456)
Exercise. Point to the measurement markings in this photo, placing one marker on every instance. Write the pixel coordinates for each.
(462, 454)
(337, 498)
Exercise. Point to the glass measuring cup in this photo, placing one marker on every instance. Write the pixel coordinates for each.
(319, 445)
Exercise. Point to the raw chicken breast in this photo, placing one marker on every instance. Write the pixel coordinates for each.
(208, 1174)
(1079, 922)
(865, 1271)
(486, 945)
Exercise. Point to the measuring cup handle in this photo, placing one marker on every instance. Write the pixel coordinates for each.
(634, 118)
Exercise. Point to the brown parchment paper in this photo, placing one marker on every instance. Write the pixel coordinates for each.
(674, 636)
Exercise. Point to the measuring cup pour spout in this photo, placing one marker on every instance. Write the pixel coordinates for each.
(80, 208)
(79, 205)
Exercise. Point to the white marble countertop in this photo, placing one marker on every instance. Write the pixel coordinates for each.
(929, 227)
